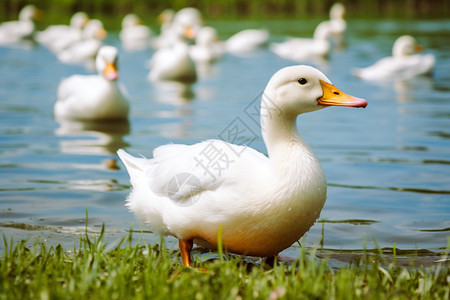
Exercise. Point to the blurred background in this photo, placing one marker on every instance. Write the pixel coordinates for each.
(112, 11)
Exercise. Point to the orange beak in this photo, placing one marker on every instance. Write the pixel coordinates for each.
(38, 15)
(334, 97)
(418, 48)
(111, 72)
(189, 32)
(101, 34)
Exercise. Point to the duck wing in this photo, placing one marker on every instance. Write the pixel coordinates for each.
(181, 172)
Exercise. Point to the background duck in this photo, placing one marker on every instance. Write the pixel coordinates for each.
(207, 48)
(404, 63)
(247, 40)
(85, 49)
(51, 36)
(173, 62)
(261, 204)
(337, 23)
(13, 32)
(165, 18)
(134, 34)
(94, 97)
(303, 49)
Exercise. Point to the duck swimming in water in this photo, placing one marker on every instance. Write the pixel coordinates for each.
(406, 62)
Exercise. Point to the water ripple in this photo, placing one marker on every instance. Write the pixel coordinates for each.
(399, 189)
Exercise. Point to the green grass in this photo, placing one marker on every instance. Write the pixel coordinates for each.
(95, 270)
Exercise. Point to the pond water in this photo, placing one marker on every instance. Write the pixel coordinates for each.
(387, 166)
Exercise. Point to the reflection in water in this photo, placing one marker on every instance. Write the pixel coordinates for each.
(92, 137)
(408, 90)
(176, 130)
(177, 122)
(22, 44)
(206, 69)
(173, 92)
(339, 42)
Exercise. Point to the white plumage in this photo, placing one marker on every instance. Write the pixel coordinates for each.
(303, 49)
(263, 204)
(134, 34)
(173, 62)
(337, 22)
(13, 32)
(208, 48)
(247, 40)
(94, 97)
(55, 36)
(404, 63)
(83, 50)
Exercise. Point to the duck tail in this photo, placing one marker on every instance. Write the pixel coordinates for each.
(131, 163)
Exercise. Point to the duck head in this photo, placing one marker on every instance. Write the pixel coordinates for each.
(107, 62)
(300, 89)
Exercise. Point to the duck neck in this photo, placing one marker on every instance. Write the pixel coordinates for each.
(280, 134)
(294, 167)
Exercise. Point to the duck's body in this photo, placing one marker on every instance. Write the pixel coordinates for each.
(261, 204)
(337, 23)
(93, 97)
(55, 35)
(85, 49)
(208, 47)
(81, 52)
(404, 63)
(243, 199)
(398, 68)
(173, 62)
(164, 39)
(13, 32)
(134, 34)
(302, 49)
(247, 40)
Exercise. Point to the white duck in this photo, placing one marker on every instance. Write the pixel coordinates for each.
(85, 49)
(404, 63)
(13, 32)
(247, 40)
(54, 34)
(337, 22)
(208, 48)
(173, 62)
(94, 97)
(165, 18)
(134, 34)
(189, 17)
(302, 49)
(262, 204)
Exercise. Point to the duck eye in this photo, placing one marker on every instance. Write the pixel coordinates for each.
(302, 81)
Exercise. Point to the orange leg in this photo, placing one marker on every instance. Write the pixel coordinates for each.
(185, 250)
